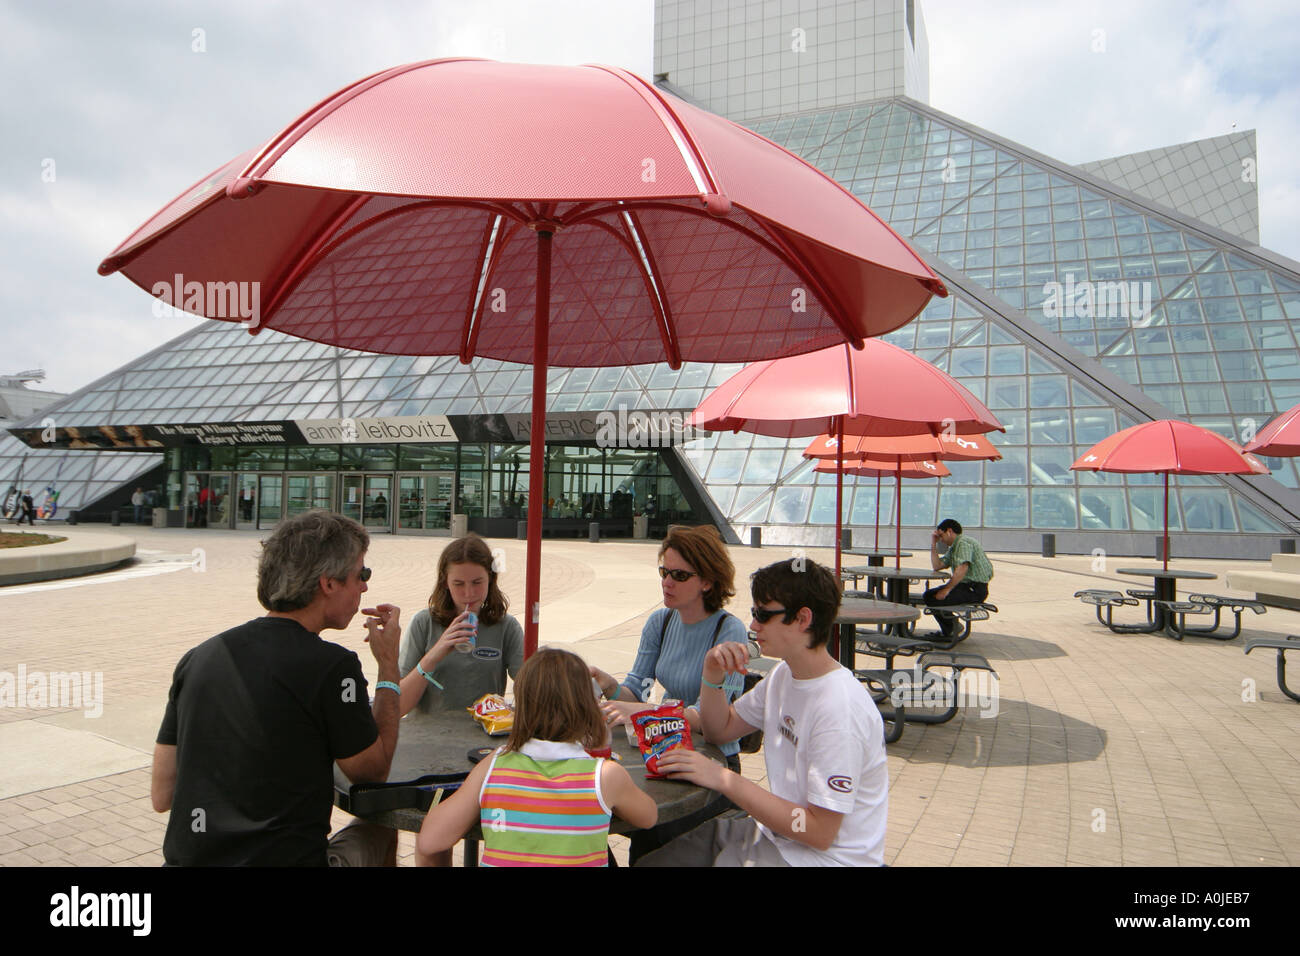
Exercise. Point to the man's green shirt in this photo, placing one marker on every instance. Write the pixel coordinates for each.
(967, 551)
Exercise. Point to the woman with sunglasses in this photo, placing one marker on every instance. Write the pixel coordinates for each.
(697, 578)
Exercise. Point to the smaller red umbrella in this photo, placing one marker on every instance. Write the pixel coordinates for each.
(877, 467)
(1280, 438)
(943, 446)
(1169, 447)
(879, 389)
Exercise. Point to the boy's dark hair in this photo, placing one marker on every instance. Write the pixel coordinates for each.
(800, 583)
(949, 524)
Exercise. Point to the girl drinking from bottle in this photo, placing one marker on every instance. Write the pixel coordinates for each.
(542, 800)
(462, 646)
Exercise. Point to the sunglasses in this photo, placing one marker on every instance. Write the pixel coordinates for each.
(364, 575)
(677, 574)
(762, 615)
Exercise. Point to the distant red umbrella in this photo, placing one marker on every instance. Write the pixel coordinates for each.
(878, 389)
(940, 447)
(544, 214)
(1169, 447)
(1280, 438)
(876, 467)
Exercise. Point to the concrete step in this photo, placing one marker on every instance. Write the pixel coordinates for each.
(1276, 583)
(1287, 563)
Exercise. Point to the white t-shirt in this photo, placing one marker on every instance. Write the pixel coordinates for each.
(823, 740)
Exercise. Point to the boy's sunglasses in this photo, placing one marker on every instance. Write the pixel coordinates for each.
(677, 574)
(762, 615)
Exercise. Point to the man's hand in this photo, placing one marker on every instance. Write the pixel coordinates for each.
(385, 633)
(693, 767)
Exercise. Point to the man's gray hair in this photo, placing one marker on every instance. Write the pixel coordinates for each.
(303, 549)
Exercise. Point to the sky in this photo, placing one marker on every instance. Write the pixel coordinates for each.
(112, 108)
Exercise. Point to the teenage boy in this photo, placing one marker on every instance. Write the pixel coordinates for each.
(823, 742)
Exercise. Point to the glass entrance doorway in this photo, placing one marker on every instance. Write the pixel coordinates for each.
(366, 498)
(424, 501)
(309, 491)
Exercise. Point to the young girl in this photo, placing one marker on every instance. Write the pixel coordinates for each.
(541, 800)
(447, 662)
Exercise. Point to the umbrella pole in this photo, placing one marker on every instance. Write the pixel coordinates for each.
(898, 514)
(537, 447)
(877, 511)
(839, 489)
(1166, 549)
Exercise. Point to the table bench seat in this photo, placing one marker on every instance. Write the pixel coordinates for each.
(1282, 645)
(896, 690)
(1108, 599)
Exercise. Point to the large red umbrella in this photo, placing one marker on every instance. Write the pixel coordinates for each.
(877, 390)
(1280, 438)
(1169, 447)
(899, 449)
(552, 215)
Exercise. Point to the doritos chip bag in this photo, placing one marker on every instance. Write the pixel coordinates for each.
(659, 731)
(493, 714)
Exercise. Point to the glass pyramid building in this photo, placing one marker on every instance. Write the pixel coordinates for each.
(1078, 308)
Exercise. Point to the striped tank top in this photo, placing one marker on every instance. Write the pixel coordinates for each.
(542, 806)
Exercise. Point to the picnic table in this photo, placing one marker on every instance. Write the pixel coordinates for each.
(875, 559)
(897, 583)
(433, 755)
(1165, 590)
(857, 610)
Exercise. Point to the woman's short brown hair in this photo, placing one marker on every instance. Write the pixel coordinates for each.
(470, 549)
(554, 700)
(701, 547)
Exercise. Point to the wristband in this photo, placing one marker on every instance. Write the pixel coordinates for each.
(613, 694)
(389, 685)
(708, 683)
(427, 676)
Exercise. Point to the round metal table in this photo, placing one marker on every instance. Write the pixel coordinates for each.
(438, 744)
(1166, 589)
(855, 611)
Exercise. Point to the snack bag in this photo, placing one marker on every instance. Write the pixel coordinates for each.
(659, 731)
(493, 714)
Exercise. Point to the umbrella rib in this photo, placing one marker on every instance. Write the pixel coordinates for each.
(486, 255)
(476, 317)
(649, 272)
(270, 154)
(290, 276)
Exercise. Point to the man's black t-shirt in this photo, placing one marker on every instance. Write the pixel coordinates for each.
(258, 715)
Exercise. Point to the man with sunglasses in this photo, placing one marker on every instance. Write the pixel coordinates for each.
(823, 741)
(258, 715)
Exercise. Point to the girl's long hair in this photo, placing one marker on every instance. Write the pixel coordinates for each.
(554, 700)
(470, 549)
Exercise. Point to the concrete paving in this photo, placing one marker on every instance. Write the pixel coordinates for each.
(1105, 749)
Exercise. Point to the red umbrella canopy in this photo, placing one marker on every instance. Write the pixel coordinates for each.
(1170, 447)
(464, 207)
(941, 447)
(1280, 438)
(399, 216)
(883, 390)
(865, 467)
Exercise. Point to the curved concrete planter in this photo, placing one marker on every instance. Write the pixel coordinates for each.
(85, 552)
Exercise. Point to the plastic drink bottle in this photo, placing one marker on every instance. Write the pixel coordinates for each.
(472, 620)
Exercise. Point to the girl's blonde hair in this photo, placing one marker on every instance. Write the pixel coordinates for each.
(554, 700)
(470, 549)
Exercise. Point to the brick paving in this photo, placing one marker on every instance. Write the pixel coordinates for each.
(1106, 750)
